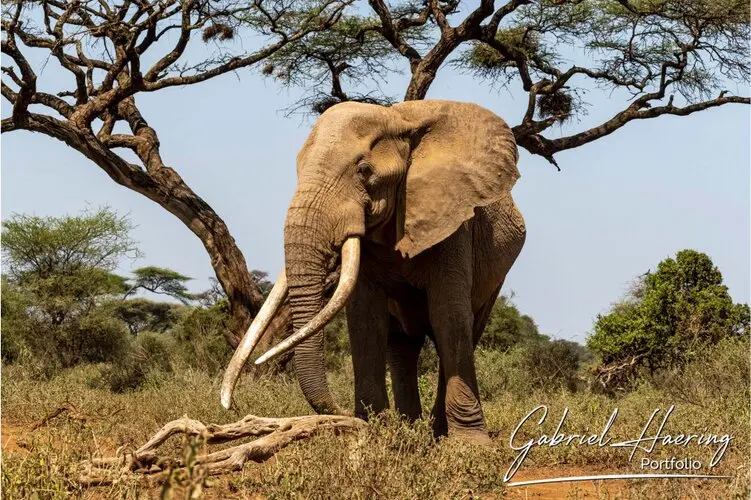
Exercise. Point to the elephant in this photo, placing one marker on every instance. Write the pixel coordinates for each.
(412, 204)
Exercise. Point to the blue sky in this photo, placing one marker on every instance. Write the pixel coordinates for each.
(620, 205)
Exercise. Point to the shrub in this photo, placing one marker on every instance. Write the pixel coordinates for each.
(200, 339)
(147, 358)
(537, 365)
(719, 377)
(16, 326)
(93, 336)
(96, 337)
(670, 316)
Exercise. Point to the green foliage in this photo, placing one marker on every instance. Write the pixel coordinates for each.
(95, 337)
(626, 43)
(62, 305)
(41, 247)
(162, 281)
(670, 315)
(146, 359)
(352, 49)
(507, 326)
(146, 315)
(200, 339)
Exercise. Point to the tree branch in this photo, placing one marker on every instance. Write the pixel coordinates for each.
(537, 144)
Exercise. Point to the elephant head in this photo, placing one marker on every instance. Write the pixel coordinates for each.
(406, 177)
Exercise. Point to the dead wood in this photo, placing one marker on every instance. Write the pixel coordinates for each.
(272, 435)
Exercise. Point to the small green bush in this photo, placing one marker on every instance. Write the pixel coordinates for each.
(528, 367)
(96, 337)
(147, 359)
(200, 339)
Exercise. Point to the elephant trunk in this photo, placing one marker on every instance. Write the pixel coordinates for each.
(306, 275)
(309, 361)
(323, 223)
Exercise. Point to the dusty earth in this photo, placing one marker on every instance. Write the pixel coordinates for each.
(13, 442)
(583, 489)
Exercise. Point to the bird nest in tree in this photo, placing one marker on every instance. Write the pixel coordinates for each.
(270, 435)
(321, 105)
(218, 30)
(485, 57)
(556, 105)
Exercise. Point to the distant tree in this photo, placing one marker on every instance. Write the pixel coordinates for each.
(141, 314)
(39, 247)
(669, 316)
(161, 281)
(66, 263)
(507, 326)
(260, 278)
(214, 296)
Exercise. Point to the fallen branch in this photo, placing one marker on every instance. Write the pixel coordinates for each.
(273, 435)
(616, 376)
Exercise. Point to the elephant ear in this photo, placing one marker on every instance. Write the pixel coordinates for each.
(463, 156)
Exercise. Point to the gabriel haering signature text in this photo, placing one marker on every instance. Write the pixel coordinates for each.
(646, 442)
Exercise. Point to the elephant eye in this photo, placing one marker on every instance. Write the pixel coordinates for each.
(365, 170)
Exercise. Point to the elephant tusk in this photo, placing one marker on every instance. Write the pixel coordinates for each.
(347, 281)
(252, 336)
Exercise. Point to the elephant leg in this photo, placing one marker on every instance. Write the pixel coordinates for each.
(438, 413)
(452, 320)
(368, 323)
(403, 356)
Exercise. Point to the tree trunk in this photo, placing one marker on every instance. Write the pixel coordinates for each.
(169, 190)
(164, 186)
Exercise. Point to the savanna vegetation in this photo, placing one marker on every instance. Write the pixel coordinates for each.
(79, 337)
(124, 354)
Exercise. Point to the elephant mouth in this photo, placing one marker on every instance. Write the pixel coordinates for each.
(350, 256)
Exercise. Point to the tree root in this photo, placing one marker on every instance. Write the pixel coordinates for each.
(273, 435)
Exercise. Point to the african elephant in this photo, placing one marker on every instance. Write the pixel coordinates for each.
(413, 201)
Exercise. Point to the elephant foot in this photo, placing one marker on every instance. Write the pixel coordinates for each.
(333, 409)
(440, 427)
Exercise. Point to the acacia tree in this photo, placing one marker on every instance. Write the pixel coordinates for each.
(104, 47)
(669, 57)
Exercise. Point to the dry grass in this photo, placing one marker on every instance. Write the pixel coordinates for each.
(388, 460)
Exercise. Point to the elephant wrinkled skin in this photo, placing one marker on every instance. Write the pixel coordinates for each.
(416, 198)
